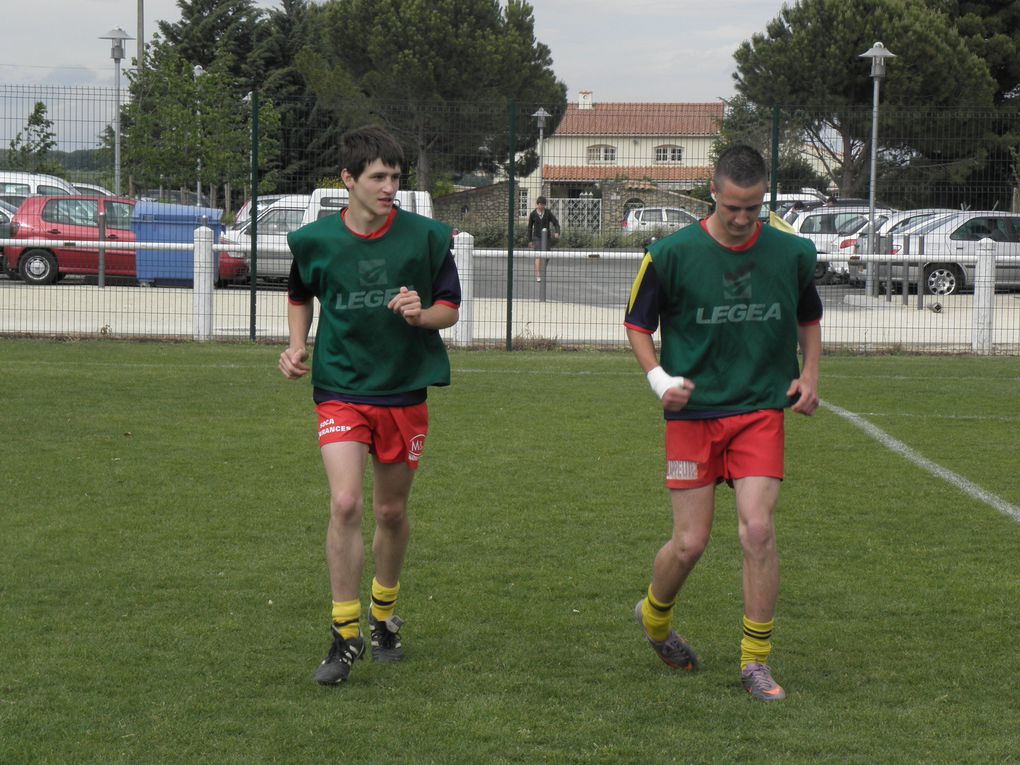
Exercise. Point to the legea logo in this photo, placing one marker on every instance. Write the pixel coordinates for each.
(372, 273)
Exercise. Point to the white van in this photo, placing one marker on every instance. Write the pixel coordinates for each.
(17, 186)
(325, 202)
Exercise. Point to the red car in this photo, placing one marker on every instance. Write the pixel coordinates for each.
(67, 219)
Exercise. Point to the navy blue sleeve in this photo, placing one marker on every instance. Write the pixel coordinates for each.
(446, 285)
(645, 304)
(809, 307)
(297, 291)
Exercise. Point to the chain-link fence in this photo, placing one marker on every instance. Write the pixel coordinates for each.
(615, 175)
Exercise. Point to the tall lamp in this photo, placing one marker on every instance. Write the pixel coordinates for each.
(540, 117)
(198, 71)
(878, 53)
(117, 37)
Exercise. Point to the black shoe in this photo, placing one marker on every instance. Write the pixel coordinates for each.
(342, 654)
(386, 644)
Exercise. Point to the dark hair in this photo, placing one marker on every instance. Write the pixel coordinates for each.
(741, 164)
(541, 201)
(362, 146)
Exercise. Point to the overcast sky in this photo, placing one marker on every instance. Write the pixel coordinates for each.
(621, 50)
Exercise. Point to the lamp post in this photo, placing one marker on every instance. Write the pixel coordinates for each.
(541, 116)
(878, 53)
(116, 37)
(198, 72)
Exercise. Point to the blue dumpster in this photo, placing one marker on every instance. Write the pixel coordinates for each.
(166, 223)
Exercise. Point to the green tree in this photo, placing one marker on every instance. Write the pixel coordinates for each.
(182, 128)
(30, 149)
(443, 90)
(808, 60)
(209, 31)
(746, 122)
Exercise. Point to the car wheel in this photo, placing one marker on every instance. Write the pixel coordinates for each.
(942, 279)
(38, 267)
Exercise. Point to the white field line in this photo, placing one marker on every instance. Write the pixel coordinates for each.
(967, 487)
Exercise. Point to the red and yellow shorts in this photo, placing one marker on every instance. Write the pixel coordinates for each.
(704, 452)
(393, 433)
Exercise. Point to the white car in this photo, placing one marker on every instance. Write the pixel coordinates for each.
(946, 239)
(274, 223)
(827, 227)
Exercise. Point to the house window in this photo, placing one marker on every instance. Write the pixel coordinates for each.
(523, 208)
(669, 153)
(601, 154)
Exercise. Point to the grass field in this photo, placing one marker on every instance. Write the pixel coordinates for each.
(163, 594)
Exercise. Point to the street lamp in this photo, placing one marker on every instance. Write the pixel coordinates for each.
(117, 37)
(878, 53)
(198, 72)
(541, 116)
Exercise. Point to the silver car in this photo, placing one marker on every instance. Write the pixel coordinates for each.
(946, 240)
(657, 219)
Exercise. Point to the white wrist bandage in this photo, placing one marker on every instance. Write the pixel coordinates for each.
(662, 382)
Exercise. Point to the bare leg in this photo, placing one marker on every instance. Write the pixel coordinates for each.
(392, 528)
(693, 511)
(756, 502)
(345, 549)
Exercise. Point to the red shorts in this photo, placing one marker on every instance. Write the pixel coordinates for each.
(393, 433)
(704, 452)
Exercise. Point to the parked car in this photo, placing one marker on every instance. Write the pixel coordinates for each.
(65, 219)
(275, 222)
(657, 219)
(17, 186)
(827, 227)
(7, 211)
(265, 202)
(947, 238)
(93, 189)
(327, 201)
(901, 222)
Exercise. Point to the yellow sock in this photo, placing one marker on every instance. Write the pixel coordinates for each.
(756, 645)
(657, 617)
(384, 600)
(346, 616)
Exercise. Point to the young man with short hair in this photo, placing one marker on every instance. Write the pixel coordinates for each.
(733, 300)
(386, 283)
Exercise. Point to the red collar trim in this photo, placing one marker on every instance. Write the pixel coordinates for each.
(379, 233)
(740, 247)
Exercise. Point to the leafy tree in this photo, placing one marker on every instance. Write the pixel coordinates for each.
(224, 31)
(30, 149)
(746, 122)
(182, 128)
(807, 60)
(439, 73)
(992, 31)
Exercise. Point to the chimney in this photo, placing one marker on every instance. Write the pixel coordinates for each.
(584, 100)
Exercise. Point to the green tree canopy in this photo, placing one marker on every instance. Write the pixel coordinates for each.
(442, 88)
(808, 60)
(30, 149)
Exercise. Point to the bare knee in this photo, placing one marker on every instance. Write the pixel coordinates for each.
(346, 508)
(391, 514)
(689, 547)
(757, 537)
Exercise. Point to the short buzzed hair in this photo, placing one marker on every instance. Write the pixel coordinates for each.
(362, 146)
(741, 164)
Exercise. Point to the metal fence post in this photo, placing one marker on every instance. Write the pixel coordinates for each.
(202, 300)
(102, 249)
(984, 296)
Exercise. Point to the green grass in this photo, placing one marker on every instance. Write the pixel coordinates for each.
(163, 596)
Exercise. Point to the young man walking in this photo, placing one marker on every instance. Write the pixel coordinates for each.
(386, 283)
(732, 300)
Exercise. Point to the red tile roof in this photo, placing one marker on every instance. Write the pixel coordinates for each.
(614, 172)
(642, 119)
